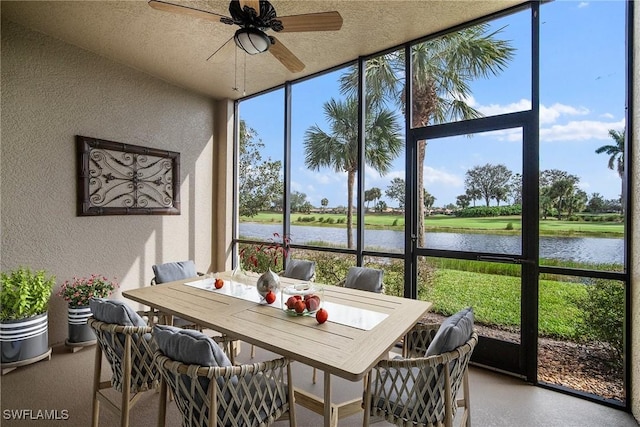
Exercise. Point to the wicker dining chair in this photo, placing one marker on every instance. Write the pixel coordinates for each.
(209, 391)
(421, 390)
(125, 341)
(169, 272)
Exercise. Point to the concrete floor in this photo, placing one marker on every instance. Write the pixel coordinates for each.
(64, 384)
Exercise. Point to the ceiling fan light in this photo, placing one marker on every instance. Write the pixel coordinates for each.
(252, 40)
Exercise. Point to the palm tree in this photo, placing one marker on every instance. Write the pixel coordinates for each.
(615, 152)
(616, 156)
(442, 70)
(338, 148)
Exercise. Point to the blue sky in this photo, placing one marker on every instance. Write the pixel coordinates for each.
(582, 97)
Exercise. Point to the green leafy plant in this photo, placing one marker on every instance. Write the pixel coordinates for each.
(602, 310)
(79, 291)
(24, 293)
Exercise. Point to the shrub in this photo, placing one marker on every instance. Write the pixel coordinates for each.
(24, 293)
(509, 226)
(603, 315)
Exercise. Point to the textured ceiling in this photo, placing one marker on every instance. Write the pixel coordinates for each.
(175, 47)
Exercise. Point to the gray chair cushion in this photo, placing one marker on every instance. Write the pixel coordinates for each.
(300, 269)
(172, 271)
(193, 348)
(453, 332)
(366, 279)
(113, 311)
(189, 346)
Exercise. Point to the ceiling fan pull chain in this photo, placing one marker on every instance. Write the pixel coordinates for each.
(235, 74)
(244, 84)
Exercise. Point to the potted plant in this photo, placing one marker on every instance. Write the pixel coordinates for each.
(24, 301)
(265, 258)
(77, 293)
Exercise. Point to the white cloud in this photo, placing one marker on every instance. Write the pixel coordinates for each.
(552, 113)
(548, 114)
(438, 177)
(583, 4)
(496, 109)
(606, 116)
(579, 131)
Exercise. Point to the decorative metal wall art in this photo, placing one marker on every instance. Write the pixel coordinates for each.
(124, 179)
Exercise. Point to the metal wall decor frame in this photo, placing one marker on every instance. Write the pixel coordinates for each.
(124, 179)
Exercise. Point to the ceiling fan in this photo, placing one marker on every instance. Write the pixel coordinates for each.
(255, 18)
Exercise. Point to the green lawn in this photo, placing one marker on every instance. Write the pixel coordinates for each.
(496, 300)
(453, 224)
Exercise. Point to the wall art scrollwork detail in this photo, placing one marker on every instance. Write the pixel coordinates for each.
(125, 179)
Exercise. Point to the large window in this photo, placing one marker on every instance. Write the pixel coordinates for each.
(504, 190)
(582, 196)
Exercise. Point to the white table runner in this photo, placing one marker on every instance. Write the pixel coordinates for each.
(349, 316)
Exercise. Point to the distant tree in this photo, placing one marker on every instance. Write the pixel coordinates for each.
(576, 202)
(491, 181)
(451, 207)
(396, 191)
(500, 194)
(260, 184)
(615, 153)
(559, 189)
(463, 201)
(473, 194)
(596, 203)
(515, 189)
(613, 205)
(381, 206)
(546, 203)
(429, 200)
(338, 148)
(306, 207)
(297, 200)
(372, 195)
(324, 202)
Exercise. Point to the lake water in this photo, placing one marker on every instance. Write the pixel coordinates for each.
(581, 249)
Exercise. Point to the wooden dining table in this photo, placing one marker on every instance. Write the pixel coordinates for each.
(361, 330)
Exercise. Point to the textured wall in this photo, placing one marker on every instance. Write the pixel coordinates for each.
(52, 91)
(635, 237)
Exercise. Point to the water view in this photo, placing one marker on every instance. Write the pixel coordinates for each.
(580, 249)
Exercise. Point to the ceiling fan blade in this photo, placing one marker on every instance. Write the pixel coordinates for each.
(322, 21)
(285, 56)
(185, 10)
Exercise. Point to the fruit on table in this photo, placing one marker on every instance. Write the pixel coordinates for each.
(291, 301)
(299, 306)
(322, 315)
(219, 283)
(312, 303)
(270, 297)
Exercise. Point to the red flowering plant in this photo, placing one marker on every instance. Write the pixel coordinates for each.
(267, 255)
(79, 291)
